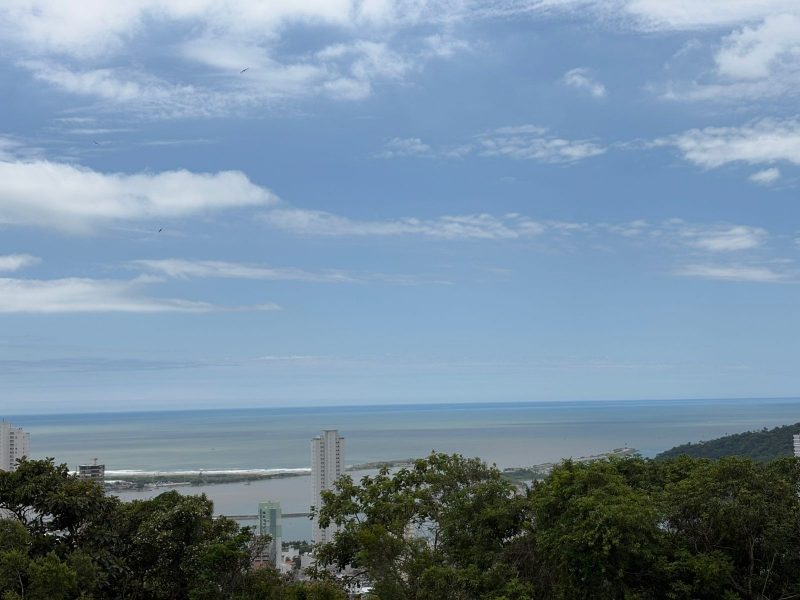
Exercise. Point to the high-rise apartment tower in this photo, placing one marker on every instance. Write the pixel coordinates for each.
(270, 523)
(796, 440)
(327, 465)
(14, 444)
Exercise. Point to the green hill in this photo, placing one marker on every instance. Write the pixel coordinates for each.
(762, 445)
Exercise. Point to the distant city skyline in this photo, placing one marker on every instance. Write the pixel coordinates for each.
(345, 202)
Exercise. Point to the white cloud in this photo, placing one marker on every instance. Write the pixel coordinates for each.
(685, 15)
(582, 80)
(77, 199)
(753, 52)
(754, 62)
(766, 177)
(81, 295)
(461, 227)
(399, 147)
(77, 50)
(189, 269)
(95, 28)
(444, 46)
(760, 142)
(723, 238)
(747, 273)
(674, 234)
(520, 142)
(143, 93)
(528, 142)
(186, 269)
(15, 262)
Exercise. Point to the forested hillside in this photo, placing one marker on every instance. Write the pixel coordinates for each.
(763, 445)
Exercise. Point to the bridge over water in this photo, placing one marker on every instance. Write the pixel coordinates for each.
(298, 515)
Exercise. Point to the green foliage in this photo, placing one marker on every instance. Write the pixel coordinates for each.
(628, 529)
(763, 445)
(596, 534)
(67, 540)
(437, 529)
(445, 527)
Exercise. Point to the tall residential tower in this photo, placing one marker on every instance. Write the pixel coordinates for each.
(327, 465)
(14, 444)
(269, 523)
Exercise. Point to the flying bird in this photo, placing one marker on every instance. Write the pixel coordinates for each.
(243, 70)
(96, 143)
(160, 229)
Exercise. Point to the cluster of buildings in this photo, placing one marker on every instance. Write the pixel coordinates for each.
(15, 443)
(327, 465)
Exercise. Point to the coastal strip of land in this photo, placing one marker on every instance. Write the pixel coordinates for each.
(132, 480)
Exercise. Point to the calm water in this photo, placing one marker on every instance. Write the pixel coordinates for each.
(507, 434)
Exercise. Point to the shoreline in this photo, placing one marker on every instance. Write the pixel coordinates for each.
(149, 480)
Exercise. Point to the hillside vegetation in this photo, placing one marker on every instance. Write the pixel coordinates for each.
(763, 445)
(444, 528)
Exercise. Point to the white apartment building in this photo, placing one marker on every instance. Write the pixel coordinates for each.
(14, 444)
(327, 465)
(796, 439)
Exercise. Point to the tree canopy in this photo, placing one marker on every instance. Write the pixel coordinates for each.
(450, 527)
(63, 538)
(446, 527)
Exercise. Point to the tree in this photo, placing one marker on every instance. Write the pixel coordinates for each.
(594, 535)
(65, 539)
(736, 527)
(56, 508)
(437, 529)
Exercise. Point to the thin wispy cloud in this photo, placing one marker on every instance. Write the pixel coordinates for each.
(581, 79)
(12, 148)
(518, 142)
(735, 272)
(683, 15)
(723, 238)
(215, 269)
(190, 269)
(451, 227)
(766, 177)
(93, 364)
(676, 237)
(85, 295)
(16, 262)
(401, 147)
(529, 142)
(761, 142)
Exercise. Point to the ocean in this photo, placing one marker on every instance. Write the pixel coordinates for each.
(508, 434)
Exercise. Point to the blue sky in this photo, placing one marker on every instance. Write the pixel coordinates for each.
(412, 201)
